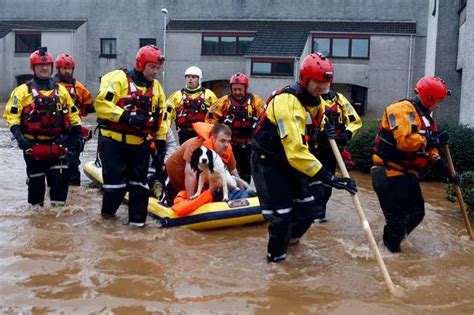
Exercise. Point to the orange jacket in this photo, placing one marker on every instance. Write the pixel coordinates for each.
(81, 97)
(401, 142)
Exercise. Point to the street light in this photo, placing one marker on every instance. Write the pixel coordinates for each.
(165, 12)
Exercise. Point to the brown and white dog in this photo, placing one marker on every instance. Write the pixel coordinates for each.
(210, 167)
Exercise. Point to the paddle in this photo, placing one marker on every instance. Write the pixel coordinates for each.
(365, 223)
(457, 189)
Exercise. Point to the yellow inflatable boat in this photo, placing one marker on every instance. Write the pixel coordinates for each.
(209, 216)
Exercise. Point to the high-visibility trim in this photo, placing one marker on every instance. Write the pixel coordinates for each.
(59, 167)
(37, 175)
(114, 186)
(283, 211)
(138, 184)
(307, 199)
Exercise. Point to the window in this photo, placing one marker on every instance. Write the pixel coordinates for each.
(342, 46)
(360, 48)
(147, 41)
(283, 67)
(27, 42)
(323, 45)
(225, 44)
(108, 48)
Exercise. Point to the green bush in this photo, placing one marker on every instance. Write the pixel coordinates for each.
(361, 145)
(467, 189)
(461, 145)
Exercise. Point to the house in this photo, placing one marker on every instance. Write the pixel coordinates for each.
(19, 38)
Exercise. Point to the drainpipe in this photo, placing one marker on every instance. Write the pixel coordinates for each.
(410, 61)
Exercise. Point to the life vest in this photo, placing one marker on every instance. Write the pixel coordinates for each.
(386, 145)
(183, 205)
(241, 117)
(45, 115)
(334, 113)
(140, 103)
(191, 110)
(266, 138)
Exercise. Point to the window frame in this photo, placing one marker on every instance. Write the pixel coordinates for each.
(349, 37)
(273, 62)
(29, 50)
(108, 56)
(219, 43)
(146, 39)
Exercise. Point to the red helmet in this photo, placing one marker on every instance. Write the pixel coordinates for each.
(239, 78)
(40, 57)
(317, 67)
(65, 61)
(431, 90)
(146, 54)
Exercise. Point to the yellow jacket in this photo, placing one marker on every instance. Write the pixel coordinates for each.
(287, 113)
(346, 114)
(21, 97)
(403, 124)
(113, 87)
(175, 101)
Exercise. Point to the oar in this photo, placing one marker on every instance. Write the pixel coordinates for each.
(365, 223)
(457, 189)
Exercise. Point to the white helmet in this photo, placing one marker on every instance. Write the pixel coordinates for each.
(194, 71)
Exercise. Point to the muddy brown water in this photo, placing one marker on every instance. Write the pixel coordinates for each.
(70, 260)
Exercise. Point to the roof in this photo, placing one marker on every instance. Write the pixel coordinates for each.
(287, 38)
(6, 26)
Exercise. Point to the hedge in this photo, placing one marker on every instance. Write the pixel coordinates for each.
(461, 145)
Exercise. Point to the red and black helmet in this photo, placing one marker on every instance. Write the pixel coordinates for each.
(431, 90)
(146, 54)
(40, 57)
(317, 67)
(239, 78)
(65, 61)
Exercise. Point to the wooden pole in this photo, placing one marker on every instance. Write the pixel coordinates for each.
(457, 189)
(365, 223)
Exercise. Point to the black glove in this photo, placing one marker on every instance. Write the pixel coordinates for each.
(133, 119)
(159, 158)
(330, 131)
(343, 138)
(23, 143)
(336, 182)
(445, 175)
(437, 140)
(75, 141)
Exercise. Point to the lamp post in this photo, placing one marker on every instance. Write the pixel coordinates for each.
(165, 12)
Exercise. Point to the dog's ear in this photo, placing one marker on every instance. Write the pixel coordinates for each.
(195, 159)
(210, 157)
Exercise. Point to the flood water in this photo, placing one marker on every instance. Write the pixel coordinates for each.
(70, 260)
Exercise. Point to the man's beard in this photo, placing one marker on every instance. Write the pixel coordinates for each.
(67, 77)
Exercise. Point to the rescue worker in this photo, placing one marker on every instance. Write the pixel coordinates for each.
(408, 141)
(178, 165)
(43, 119)
(240, 110)
(129, 109)
(82, 98)
(281, 160)
(341, 124)
(190, 104)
